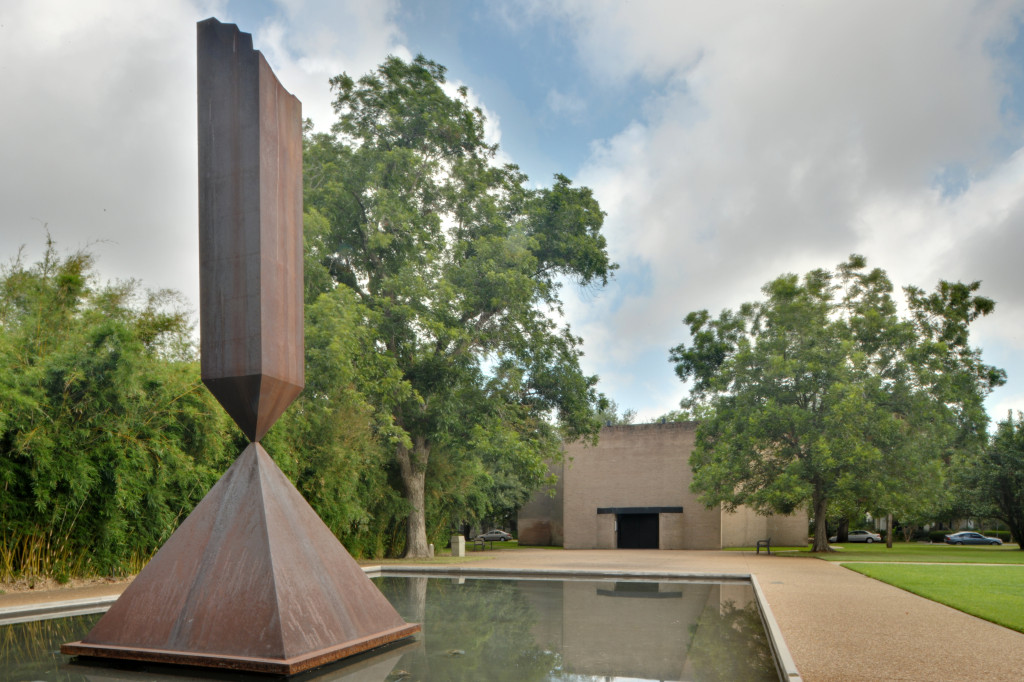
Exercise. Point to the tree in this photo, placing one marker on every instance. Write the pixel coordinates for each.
(610, 415)
(456, 265)
(822, 394)
(331, 442)
(107, 437)
(995, 478)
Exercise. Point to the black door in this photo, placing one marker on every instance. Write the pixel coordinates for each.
(638, 531)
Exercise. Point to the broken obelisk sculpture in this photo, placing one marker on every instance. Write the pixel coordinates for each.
(253, 579)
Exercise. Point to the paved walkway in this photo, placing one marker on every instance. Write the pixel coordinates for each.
(838, 624)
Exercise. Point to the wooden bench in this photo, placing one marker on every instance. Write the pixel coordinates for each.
(767, 544)
(482, 543)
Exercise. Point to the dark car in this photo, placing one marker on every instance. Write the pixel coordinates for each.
(969, 537)
(492, 535)
(860, 536)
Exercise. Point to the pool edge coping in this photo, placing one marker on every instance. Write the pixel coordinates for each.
(783, 658)
(11, 615)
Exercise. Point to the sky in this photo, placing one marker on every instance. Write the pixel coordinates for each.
(728, 143)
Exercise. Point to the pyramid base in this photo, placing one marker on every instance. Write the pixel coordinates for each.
(288, 666)
(252, 581)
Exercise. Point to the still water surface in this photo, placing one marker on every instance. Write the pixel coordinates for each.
(497, 630)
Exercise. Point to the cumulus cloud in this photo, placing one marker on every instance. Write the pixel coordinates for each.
(768, 138)
(307, 46)
(783, 138)
(99, 122)
(99, 132)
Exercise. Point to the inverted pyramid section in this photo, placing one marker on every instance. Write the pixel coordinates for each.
(252, 574)
(254, 401)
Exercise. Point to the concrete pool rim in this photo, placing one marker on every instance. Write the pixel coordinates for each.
(783, 659)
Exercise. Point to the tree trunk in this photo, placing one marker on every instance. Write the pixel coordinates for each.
(417, 595)
(820, 526)
(888, 531)
(1017, 532)
(413, 468)
(843, 532)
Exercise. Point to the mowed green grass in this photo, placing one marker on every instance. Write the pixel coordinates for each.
(914, 552)
(994, 593)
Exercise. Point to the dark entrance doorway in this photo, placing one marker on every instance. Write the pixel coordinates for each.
(637, 531)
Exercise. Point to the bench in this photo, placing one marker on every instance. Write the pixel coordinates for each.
(767, 544)
(481, 543)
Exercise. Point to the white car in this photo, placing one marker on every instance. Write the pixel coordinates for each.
(860, 536)
(493, 535)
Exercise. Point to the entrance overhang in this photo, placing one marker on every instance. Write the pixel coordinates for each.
(639, 510)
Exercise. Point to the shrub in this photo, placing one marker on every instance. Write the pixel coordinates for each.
(1003, 535)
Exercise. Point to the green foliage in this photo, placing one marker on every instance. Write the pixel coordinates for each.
(680, 415)
(107, 437)
(993, 480)
(822, 394)
(331, 442)
(611, 416)
(454, 265)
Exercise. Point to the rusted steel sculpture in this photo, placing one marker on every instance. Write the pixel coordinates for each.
(253, 579)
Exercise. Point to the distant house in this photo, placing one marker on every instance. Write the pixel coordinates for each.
(632, 491)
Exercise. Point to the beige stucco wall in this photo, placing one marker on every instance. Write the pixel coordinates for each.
(744, 527)
(540, 520)
(643, 465)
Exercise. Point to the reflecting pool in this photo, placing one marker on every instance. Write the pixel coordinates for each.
(476, 629)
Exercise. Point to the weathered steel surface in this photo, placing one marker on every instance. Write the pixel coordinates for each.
(250, 230)
(252, 580)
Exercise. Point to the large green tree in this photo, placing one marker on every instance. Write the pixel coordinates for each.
(332, 442)
(995, 478)
(455, 264)
(822, 394)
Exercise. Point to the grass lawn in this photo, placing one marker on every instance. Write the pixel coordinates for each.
(915, 552)
(995, 593)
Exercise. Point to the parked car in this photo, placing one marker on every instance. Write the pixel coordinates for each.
(492, 535)
(860, 536)
(969, 537)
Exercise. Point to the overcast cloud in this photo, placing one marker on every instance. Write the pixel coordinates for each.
(728, 142)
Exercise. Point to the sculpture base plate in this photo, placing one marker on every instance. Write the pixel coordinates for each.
(277, 666)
